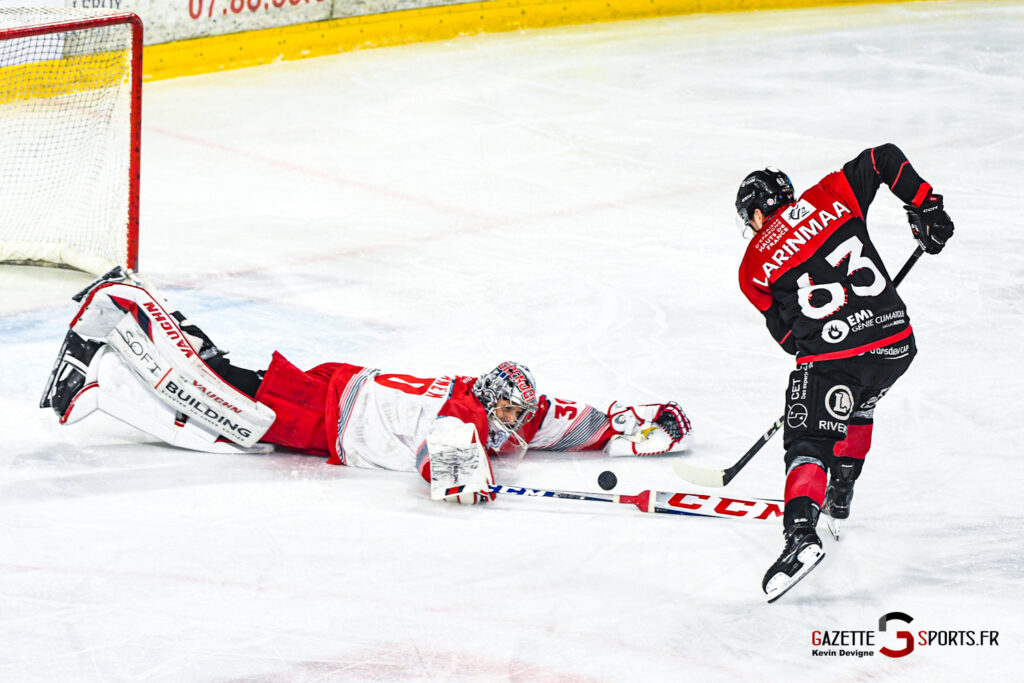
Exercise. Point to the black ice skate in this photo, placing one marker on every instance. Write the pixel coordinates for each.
(839, 494)
(802, 554)
(67, 378)
(837, 504)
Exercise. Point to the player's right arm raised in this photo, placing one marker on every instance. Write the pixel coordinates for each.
(930, 225)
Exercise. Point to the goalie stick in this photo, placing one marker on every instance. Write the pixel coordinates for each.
(691, 504)
(717, 478)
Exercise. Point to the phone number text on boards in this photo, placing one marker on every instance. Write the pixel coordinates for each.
(199, 9)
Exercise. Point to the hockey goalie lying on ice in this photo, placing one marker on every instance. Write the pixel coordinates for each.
(130, 356)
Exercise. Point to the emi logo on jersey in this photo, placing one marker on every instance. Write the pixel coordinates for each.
(835, 331)
(839, 402)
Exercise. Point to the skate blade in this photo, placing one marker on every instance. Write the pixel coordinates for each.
(833, 527)
(810, 563)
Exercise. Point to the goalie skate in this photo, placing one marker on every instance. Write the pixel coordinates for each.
(802, 554)
(68, 379)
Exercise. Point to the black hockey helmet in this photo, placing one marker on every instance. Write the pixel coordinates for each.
(768, 189)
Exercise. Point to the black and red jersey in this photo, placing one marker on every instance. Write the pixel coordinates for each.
(813, 271)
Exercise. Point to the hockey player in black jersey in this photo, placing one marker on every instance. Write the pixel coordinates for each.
(827, 298)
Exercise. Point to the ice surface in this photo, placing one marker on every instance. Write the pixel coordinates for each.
(562, 198)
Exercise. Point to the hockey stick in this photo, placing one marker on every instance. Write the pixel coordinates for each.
(718, 478)
(692, 504)
(907, 266)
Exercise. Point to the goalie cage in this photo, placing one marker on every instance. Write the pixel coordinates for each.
(70, 121)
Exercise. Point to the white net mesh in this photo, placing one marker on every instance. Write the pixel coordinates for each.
(65, 140)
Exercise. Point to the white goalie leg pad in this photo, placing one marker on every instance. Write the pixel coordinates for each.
(119, 392)
(149, 340)
(84, 403)
(460, 471)
(638, 434)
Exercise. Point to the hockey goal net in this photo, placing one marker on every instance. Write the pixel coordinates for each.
(70, 101)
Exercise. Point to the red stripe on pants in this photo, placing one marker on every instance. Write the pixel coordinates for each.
(856, 444)
(806, 480)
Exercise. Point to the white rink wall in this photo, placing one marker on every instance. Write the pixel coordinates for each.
(176, 20)
(564, 198)
(173, 20)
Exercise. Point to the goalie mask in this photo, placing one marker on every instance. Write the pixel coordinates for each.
(509, 395)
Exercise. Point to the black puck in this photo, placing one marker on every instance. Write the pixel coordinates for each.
(607, 480)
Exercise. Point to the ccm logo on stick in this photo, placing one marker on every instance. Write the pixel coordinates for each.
(724, 507)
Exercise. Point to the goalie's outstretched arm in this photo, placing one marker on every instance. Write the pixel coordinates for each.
(646, 429)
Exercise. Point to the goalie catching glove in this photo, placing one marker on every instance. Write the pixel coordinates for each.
(648, 429)
(460, 471)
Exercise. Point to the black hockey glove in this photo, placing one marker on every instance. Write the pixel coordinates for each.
(931, 225)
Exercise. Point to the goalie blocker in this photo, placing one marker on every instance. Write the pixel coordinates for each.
(130, 356)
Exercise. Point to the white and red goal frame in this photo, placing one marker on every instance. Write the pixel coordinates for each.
(125, 249)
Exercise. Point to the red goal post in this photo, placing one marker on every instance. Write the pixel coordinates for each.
(70, 137)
